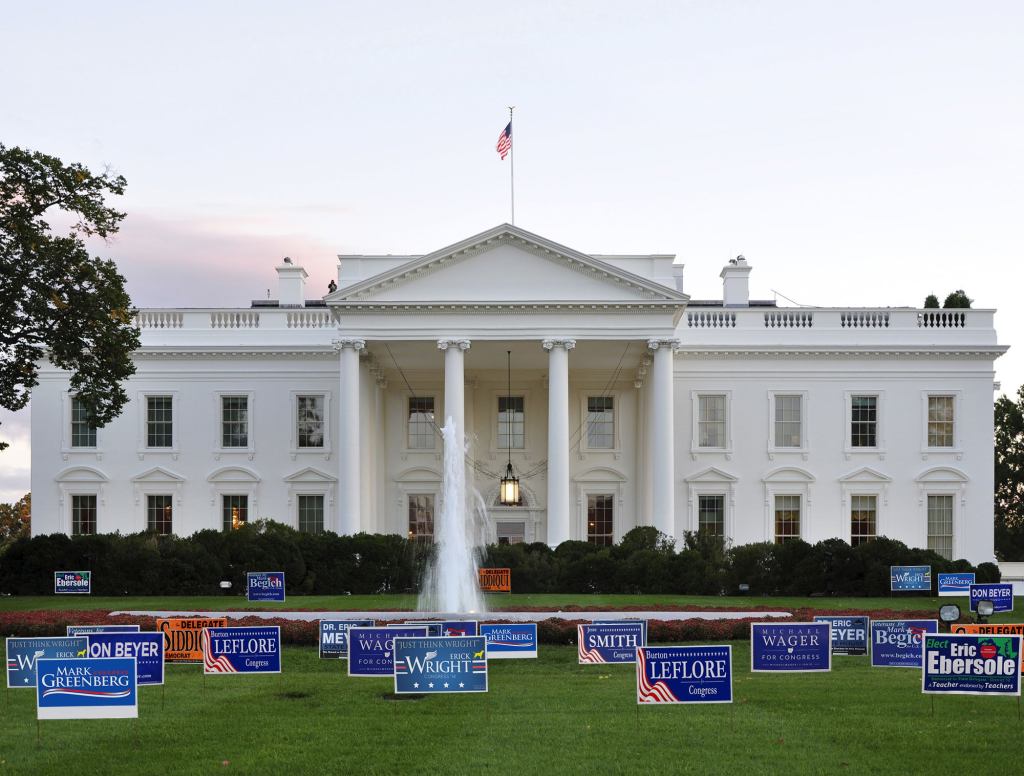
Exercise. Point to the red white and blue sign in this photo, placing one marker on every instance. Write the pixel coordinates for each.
(460, 628)
(971, 665)
(791, 647)
(334, 636)
(86, 688)
(371, 651)
(445, 664)
(1001, 596)
(627, 621)
(146, 648)
(434, 627)
(264, 586)
(955, 584)
(22, 654)
(910, 578)
(684, 674)
(601, 642)
(74, 582)
(849, 633)
(510, 640)
(255, 650)
(84, 630)
(899, 643)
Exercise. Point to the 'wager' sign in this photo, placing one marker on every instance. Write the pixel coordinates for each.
(684, 674)
(242, 650)
(443, 664)
(371, 651)
(86, 688)
(794, 646)
(971, 665)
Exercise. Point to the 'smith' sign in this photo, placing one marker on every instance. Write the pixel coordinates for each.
(910, 578)
(371, 651)
(443, 664)
(684, 674)
(72, 582)
(954, 584)
(495, 580)
(849, 633)
(794, 646)
(86, 688)
(183, 637)
(254, 650)
(898, 643)
(334, 637)
(22, 655)
(1001, 596)
(264, 586)
(146, 648)
(510, 640)
(971, 665)
(602, 642)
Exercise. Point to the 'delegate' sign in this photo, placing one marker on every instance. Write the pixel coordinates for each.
(794, 646)
(953, 584)
(445, 664)
(255, 650)
(910, 578)
(684, 674)
(849, 633)
(495, 580)
(371, 651)
(510, 640)
(1001, 596)
(22, 654)
(72, 582)
(988, 628)
(183, 637)
(84, 630)
(602, 642)
(971, 665)
(334, 637)
(264, 586)
(86, 688)
(899, 643)
(146, 648)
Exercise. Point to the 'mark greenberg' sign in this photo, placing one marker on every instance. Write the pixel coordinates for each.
(72, 582)
(602, 642)
(971, 665)
(795, 646)
(684, 674)
(910, 578)
(264, 586)
(86, 688)
(510, 640)
(443, 664)
(958, 583)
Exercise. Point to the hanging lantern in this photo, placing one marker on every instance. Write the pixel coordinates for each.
(508, 493)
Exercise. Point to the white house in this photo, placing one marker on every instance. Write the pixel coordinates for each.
(630, 404)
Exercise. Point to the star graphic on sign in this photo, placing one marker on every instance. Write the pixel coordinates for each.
(446, 685)
(430, 685)
(462, 684)
(415, 685)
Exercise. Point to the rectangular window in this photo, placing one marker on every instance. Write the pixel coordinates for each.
(788, 420)
(787, 518)
(511, 422)
(711, 421)
(863, 519)
(311, 514)
(601, 422)
(940, 525)
(83, 515)
(83, 432)
(234, 421)
(421, 518)
(158, 514)
(309, 411)
(711, 515)
(940, 421)
(421, 423)
(159, 422)
(511, 533)
(600, 523)
(863, 421)
(235, 511)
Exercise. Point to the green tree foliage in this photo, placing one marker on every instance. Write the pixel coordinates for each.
(57, 301)
(15, 520)
(957, 300)
(931, 302)
(1009, 476)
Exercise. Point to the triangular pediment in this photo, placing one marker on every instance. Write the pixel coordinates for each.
(309, 474)
(711, 474)
(865, 474)
(158, 474)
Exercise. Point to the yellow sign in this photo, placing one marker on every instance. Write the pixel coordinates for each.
(495, 580)
(183, 637)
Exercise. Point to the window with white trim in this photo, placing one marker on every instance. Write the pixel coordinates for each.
(421, 434)
(940, 524)
(83, 431)
(601, 519)
(159, 421)
(311, 513)
(421, 518)
(863, 518)
(863, 420)
(234, 421)
(159, 513)
(711, 514)
(234, 510)
(83, 514)
(941, 419)
(511, 532)
(511, 422)
(788, 420)
(310, 421)
(787, 518)
(601, 422)
(711, 421)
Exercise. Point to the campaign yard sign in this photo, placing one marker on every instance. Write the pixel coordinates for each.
(988, 628)
(684, 674)
(334, 637)
(507, 641)
(445, 664)
(79, 582)
(628, 621)
(602, 642)
(371, 651)
(183, 637)
(899, 643)
(86, 688)
(793, 646)
(146, 648)
(22, 654)
(910, 578)
(264, 586)
(84, 630)
(1001, 596)
(434, 627)
(849, 633)
(957, 583)
(249, 650)
(460, 628)
(971, 665)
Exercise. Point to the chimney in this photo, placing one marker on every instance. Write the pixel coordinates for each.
(736, 283)
(677, 276)
(291, 284)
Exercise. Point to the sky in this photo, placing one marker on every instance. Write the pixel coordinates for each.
(858, 154)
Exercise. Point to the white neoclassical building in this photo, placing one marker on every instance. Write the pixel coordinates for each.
(626, 404)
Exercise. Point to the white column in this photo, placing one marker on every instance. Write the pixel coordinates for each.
(559, 523)
(455, 386)
(349, 476)
(661, 456)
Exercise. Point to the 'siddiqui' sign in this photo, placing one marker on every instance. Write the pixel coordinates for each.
(183, 637)
(971, 665)
(684, 674)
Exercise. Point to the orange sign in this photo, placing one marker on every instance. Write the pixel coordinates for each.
(495, 580)
(182, 637)
(990, 629)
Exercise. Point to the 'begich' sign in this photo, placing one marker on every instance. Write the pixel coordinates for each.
(898, 643)
(684, 674)
(264, 586)
(971, 665)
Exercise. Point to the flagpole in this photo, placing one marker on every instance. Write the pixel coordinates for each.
(512, 167)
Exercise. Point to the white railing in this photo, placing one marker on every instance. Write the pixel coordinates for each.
(159, 319)
(247, 318)
(309, 319)
(712, 319)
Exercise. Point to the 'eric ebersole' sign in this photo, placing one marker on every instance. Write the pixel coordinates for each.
(971, 665)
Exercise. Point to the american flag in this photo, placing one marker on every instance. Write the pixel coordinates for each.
(505, 141)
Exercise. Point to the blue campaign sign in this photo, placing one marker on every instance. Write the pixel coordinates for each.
(444, 664)
(371, 651)
(849, 633)
(910, 578)
(83, 630)
(684, 674)
(602, 642)
(255, 650)
(22, 654)
(629, 621)
(264, 586)
(898, 643)
(792, 646)
(146, 648)
(1001, 596)
(86, 688)
(958, 583)
(971, 665)
(334, 636)
(510, 640)
(459, 628)
(434, 627)
(79, 582)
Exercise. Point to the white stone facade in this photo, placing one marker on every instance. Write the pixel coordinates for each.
(631, 405)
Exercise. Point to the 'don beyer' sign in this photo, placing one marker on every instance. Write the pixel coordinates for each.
(79, 582)
(444, 664)
(1001, 596)
(793, 646)
(910, 578)
(971, 665)
(86, 688)
(183, 637)
(899, 643)
(146, 648)
(334, 637)
(264, 586)
(495, 580)
(510, 640)
(371, 651)
(955, 584)
(601, 642)
(849, 633)
(255, 650)
(22, 654)
(684, 674)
